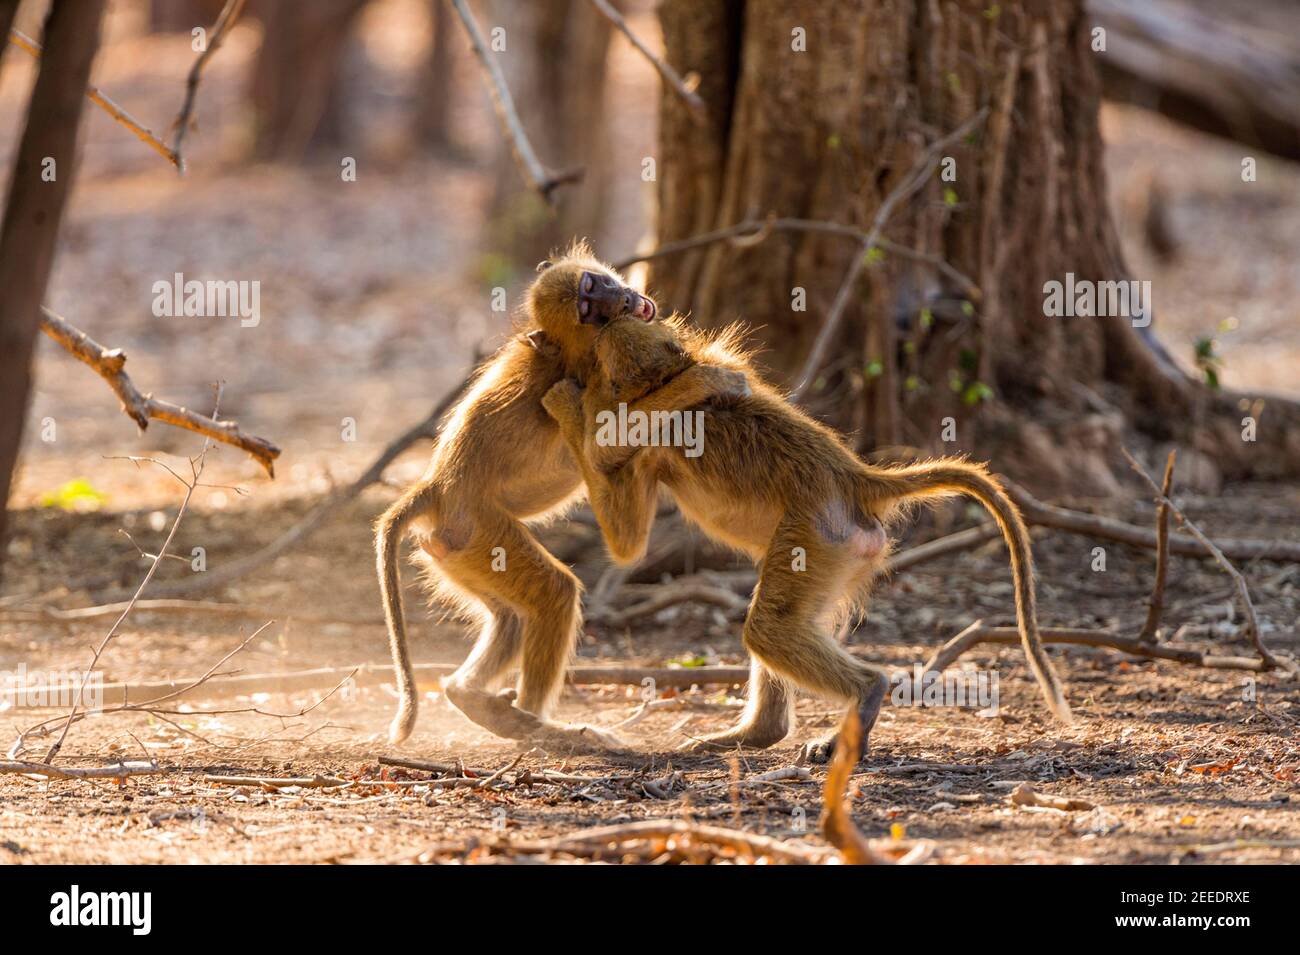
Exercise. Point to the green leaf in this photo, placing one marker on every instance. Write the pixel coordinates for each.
(967, 308)
(927, 318)
(977, 392)
(833, 141)
(950, 196)
(874, 369)
(968, 361)
(875, 254)
(76, 495)
(688, 661)
(912, 383)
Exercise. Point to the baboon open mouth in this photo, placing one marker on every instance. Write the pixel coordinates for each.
(601, 298)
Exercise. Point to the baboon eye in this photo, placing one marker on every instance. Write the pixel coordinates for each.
(543, 265)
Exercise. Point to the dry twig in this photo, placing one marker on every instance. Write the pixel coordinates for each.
(1156, 603)
(1243, 591)
(837, 825)
(543, 181)
(108, 364)
(30, 46)
(698, 110)
(229, 14)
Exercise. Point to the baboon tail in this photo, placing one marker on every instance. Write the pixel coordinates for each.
(388, 539)
(954, 475)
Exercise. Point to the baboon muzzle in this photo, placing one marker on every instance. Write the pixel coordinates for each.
(601, 298)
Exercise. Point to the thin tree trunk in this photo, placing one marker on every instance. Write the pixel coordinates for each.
(38, 193)
(436, 92)
(297, 92)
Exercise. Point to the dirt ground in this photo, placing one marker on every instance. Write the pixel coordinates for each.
(1181, 764)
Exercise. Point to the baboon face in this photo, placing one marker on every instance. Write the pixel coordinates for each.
(578, 290)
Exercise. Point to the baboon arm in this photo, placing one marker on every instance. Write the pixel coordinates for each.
(693, 386)
(623, 501)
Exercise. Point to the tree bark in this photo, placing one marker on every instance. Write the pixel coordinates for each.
(34, 209)
(436, 93)
(828, 134)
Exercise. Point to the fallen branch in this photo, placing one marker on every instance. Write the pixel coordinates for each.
(1156, 603)
(543, 181)
(229, 14)
(1243, 591)
(196, 469)
(670, 594)
(670, 76)
(120, 771)
(1010, 636)
(376, 675)
(837, 825)
(599, 841)
(108, 364)
(210, 607)
(939, 547)
(280, 782)
(30, 46)
(1106, 528)
(1025, 795)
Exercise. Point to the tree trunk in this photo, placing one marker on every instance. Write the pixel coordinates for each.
(35, 208)
(829, 132)
(297, 90)
(436, 93)
(555, 64)
(182, 16)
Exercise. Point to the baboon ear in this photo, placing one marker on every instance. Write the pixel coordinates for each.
(543, 265)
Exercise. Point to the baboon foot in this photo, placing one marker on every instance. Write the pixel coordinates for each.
(821, 750)
(495, 712)
(743, 736)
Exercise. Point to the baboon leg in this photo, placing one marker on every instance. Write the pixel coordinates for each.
(766, 719)
(790, 623)
(495, 651)
(505, 566)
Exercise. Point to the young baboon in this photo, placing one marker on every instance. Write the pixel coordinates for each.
(498, 465)
(787, 491)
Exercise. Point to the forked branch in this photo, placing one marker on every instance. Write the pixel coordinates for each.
(108, 364)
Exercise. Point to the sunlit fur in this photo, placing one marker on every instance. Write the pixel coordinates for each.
(787, 491)
(500, 465)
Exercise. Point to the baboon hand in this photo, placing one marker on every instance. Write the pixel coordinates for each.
(564, 401)
(728, 382)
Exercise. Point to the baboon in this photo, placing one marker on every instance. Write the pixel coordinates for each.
(499, 464)
(786, 490)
